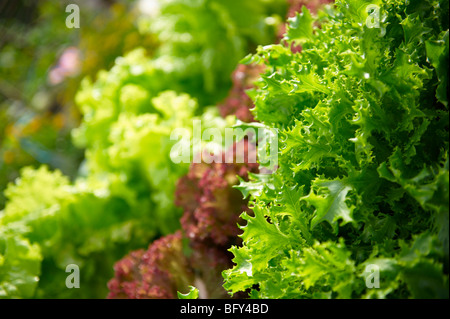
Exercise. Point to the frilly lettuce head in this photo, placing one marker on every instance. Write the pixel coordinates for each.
(363, 179)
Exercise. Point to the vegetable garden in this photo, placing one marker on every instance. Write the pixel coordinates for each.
(357, 205)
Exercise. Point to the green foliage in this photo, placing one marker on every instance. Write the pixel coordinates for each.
(19, 266)
(192, 294)
(127, 131)
(125, 115)
(125, 200)
(55, 223)
(201, 41)
(363, 170)
(123, 196)
(37, 114)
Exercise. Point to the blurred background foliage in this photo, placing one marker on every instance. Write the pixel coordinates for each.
(96, 105)
(41, 65)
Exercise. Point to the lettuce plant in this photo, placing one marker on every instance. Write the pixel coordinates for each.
(359, 205)
(197, 255)
(201, 41)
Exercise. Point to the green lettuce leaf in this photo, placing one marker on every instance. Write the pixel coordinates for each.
(363, 157)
